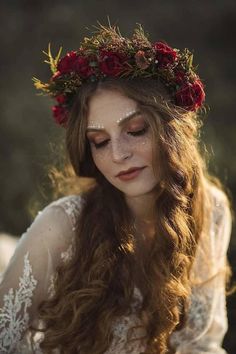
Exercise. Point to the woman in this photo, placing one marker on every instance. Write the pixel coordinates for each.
(136, 263)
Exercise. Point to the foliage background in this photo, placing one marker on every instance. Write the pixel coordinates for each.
(30, 140)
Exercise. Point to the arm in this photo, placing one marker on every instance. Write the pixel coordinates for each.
(27, 278)
(207, 318)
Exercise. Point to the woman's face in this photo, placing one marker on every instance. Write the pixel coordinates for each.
(120, 139)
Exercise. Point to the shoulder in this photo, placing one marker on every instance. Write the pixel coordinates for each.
(56, 222)
(53, 229)
(69, 205)
(220, 206)
(220, 224)
(214, 240)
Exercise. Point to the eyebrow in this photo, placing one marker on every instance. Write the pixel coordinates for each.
(121, 122)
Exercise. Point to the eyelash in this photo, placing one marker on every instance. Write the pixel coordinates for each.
(135, 133)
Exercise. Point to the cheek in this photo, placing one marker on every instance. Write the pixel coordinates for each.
(100, 158)
(143, 146)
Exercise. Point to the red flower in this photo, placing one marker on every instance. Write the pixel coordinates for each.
(141, 60)
(66, 64)
(81, 65)
(111, 63)
(60, 115)
(164, 54)
(190, 96)
(61, 99)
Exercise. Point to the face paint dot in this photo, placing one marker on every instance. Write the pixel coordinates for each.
(126, 116)
(93, 125)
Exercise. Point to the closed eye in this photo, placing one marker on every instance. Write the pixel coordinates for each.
(133, 133)
(99, 145)
(139, 132)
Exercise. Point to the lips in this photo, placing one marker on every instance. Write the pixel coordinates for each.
(129, 171)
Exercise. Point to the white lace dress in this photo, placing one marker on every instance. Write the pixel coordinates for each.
(28, 280)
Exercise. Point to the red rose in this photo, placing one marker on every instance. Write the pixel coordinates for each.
(164, 54)
(81, 65)
(190, 96)
(60, 115)
(61, 99)
(66, 64)
(111, 63)
(141, 60)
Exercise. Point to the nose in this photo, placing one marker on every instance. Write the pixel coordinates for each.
(120, 151)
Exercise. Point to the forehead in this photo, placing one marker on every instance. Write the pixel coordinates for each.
(109, 106)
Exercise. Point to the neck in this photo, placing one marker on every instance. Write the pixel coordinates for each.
(143, 212)
(141, 207)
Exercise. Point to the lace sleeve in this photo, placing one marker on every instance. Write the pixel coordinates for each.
(207, 318)
(27, 279)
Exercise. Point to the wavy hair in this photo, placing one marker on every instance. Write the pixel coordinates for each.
(96, 285)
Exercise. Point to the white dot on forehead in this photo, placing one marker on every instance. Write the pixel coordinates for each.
(94, 125)
(127, 114)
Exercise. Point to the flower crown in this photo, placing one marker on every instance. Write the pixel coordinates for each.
(108, 54)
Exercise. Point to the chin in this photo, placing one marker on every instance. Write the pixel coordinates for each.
(138, 190)
(135, 188)
(138, 193)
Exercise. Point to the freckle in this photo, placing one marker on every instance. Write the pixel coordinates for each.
(101, 155)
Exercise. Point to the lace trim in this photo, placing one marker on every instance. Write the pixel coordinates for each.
(14, 317)
(198, 319)
(72, 206)
(65, 257)
(128, 336)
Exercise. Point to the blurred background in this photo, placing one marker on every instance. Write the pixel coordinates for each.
(30, 141)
